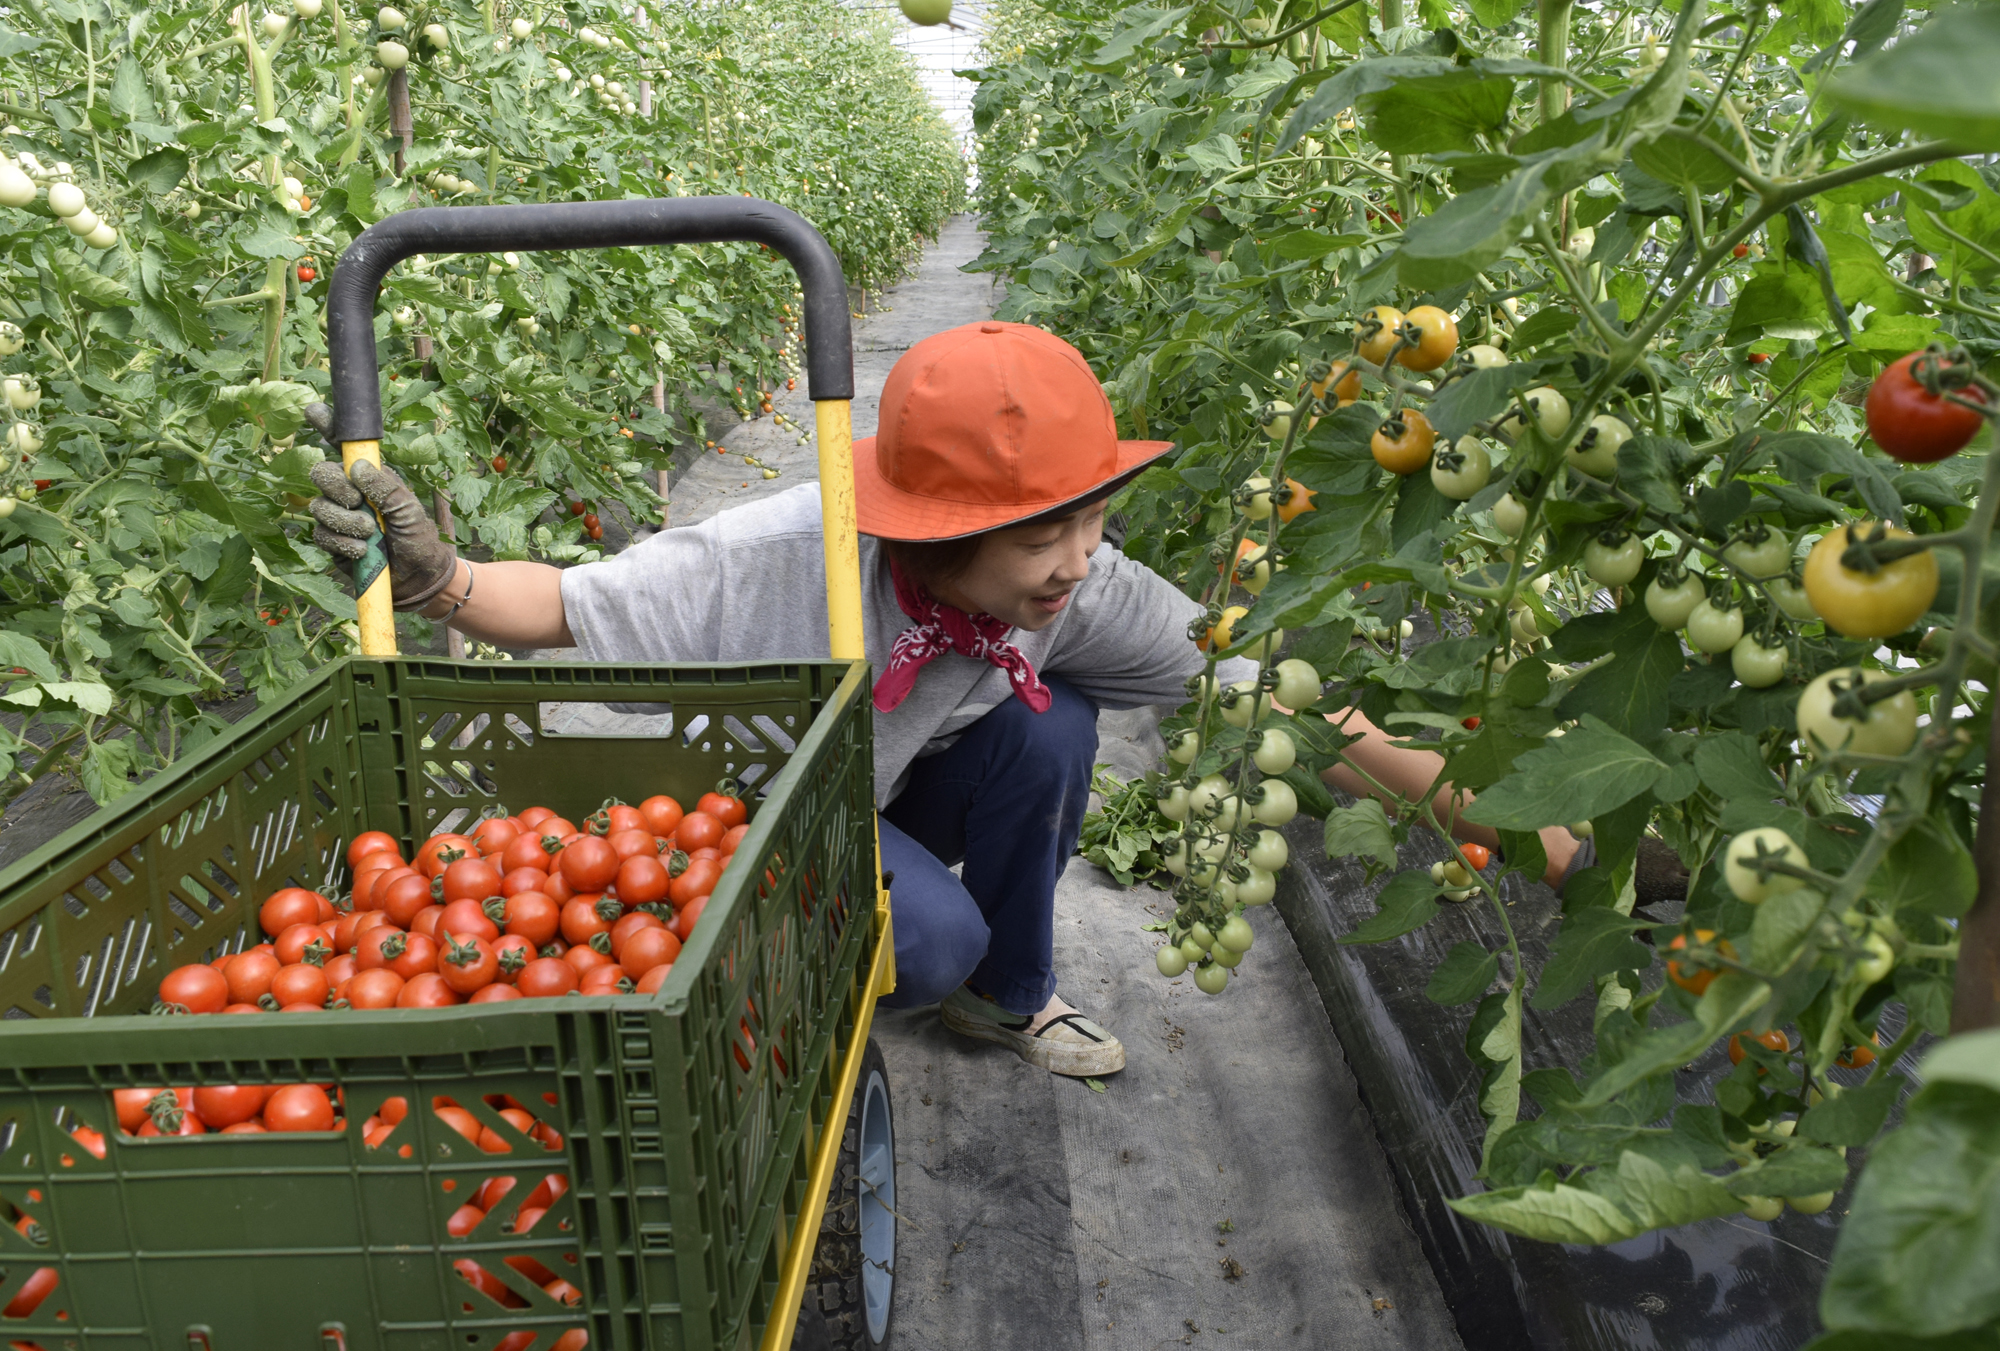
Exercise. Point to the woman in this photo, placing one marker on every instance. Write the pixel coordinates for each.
(997, 619)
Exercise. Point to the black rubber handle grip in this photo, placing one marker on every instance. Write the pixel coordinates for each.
(542, 227)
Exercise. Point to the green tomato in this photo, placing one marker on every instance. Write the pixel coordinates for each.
(1761, 552)
(1437, 873)
(1765, 1208)
(1810, 1205)
(1510, 518)
(1174, 804)
(1462, 470)
(1236, 934)
(1175, 860)
(1275, 752)
(1790, 596)
(1275, 419)
(1192, 950)
(1269, 851)
(1483, 356)
(1596, 451)
(1227, 958)
(1170, 960)
(1755, 665)
(1212, 848)
(1740, 872)
(1186, 746)
(1298, 684)
(1889, 729)
(1202, 800)
(1211, 979)
(1582, 830)
(1256, 499)
(1277, 805)
(1713, 630)
(1879, 962)
(1247, 707)
(1201, 934)
(1613, 560)
(1670, 605)
(1453, 873)
(1551, 410)
(1258, 888)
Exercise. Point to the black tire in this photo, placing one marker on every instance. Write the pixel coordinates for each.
(840, 1283)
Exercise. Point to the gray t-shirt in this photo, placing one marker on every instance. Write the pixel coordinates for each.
(749, 585)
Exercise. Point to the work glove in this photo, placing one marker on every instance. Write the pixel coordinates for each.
(421, 562)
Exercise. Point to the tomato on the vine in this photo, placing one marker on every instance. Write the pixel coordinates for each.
(1763, 844)
(1889, 727)
(1877, 602)
(1696, 980)
(1774, 1040)
(1375, 333)
(1756, 665)
(1614, 558)
(1596, 451)
(1760, 552)
(1462, 469)
(1430, 335)
(1912, 424)
(1402, 445)
(1510, 517)
(1711, 628)
(1671, 598)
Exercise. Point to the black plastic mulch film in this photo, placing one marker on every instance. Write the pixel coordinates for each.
(684, 1116)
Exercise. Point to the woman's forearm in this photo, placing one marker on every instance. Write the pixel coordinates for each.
(509, 605)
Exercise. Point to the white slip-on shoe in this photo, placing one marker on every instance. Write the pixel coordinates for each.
(1068, 1043)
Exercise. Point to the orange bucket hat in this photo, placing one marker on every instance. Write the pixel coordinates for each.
(989, 424)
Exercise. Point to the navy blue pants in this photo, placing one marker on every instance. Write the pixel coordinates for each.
(1006, 801)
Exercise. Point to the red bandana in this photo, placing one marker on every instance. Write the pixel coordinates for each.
(942, 628)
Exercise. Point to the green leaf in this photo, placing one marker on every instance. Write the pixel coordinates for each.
(1361, 831)
(1545, 325)
(1730, 1001)
(1609, 1206)
(1340, 92)
(89, 695)
(1463, 976)
(1454, 243)
(1919, 1252)
(1927, 870)
(1937, 82)
(158, 173)
(1987, 1339)
(1683, 163)
(1853, 1117)
(1592, 942)
(1409, 902)
(1493, 1043)
(87, 288)
(1573, 778)
(1630, 692)
(1795, 1170)
(1450, 110)
(17, 649)
(1732, 766)
(1419, 507)
(277, 405)
(1647, 470)
(1782, 924)
(1968, 1058)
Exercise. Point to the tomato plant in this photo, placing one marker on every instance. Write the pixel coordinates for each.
(1726, 294)
(210, 163)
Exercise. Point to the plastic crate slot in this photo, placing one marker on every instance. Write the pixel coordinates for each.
(45, 996)
(97, 887)
(745, 738)
(181, 911)
(773, 733)
(749, 775)
(696, 725)
(120, 874)
(326, 804)
(221, 879)
(471, 731)
(472, 774)
(451, 821)
(20, 941)
(519, 728)
(487, 1284)
(440, 728)
(27, 1295)
(443, 782)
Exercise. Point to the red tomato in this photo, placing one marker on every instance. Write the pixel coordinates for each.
(224, 1105)
(440, 851)
(494, 834)
(90, 1138)
(129, 1104)
(487, 1284)
(546, 976)
(576, 1339)
(731, 811)
(426, 922)
(584, 959)
(303, 941)
(547, 1192)
(1470, 724)
(375, 988)
(173, 1115)
(558, 888)
(380, 946)
(630, 843)
(525, 1218)
(464, 1220)
(462, 918)
(197, 988)
(684, 921)
(372, 842)
(468, 963)
(589, 864)
(606, 979)
(733, 837)
(419, 956)
(699, 830)
(494, 993)
(1773, 1040)
(366, 879)
(469, 879)
(651, 982)
(1478, 855)
(523, 879)
(565, 1293)
(618, 816)
(427, 990)
(300, 983)
(298, 1107)
(401, 899)
(588, 916)
(41, 1283)
(340, 970)
(713, 853)
(628, 925)
(647, 949)
(526, 851)
(533, 916)
(660, 814)
(558, 826)
(533, 817)
(249, 975)
(512, 952)
(699, 880)
(1912, 424)
(286, 907)
(642, 878)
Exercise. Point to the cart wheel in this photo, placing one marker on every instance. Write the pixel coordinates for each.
(854, 1268)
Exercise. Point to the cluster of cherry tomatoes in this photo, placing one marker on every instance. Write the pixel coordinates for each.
(526, 906)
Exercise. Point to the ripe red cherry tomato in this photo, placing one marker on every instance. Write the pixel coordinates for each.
(589, 863)
(699, 830)
(372, 842)
(731, 811)
(642, 878)
(298, 1107)
(1912, 424)
(198, 988)
(661, 814)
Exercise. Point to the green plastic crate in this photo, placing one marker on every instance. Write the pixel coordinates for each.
(685, 1116)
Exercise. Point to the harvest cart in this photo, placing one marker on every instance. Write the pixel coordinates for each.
(700, 1130)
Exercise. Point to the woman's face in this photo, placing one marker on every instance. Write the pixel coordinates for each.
(1023, 574)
